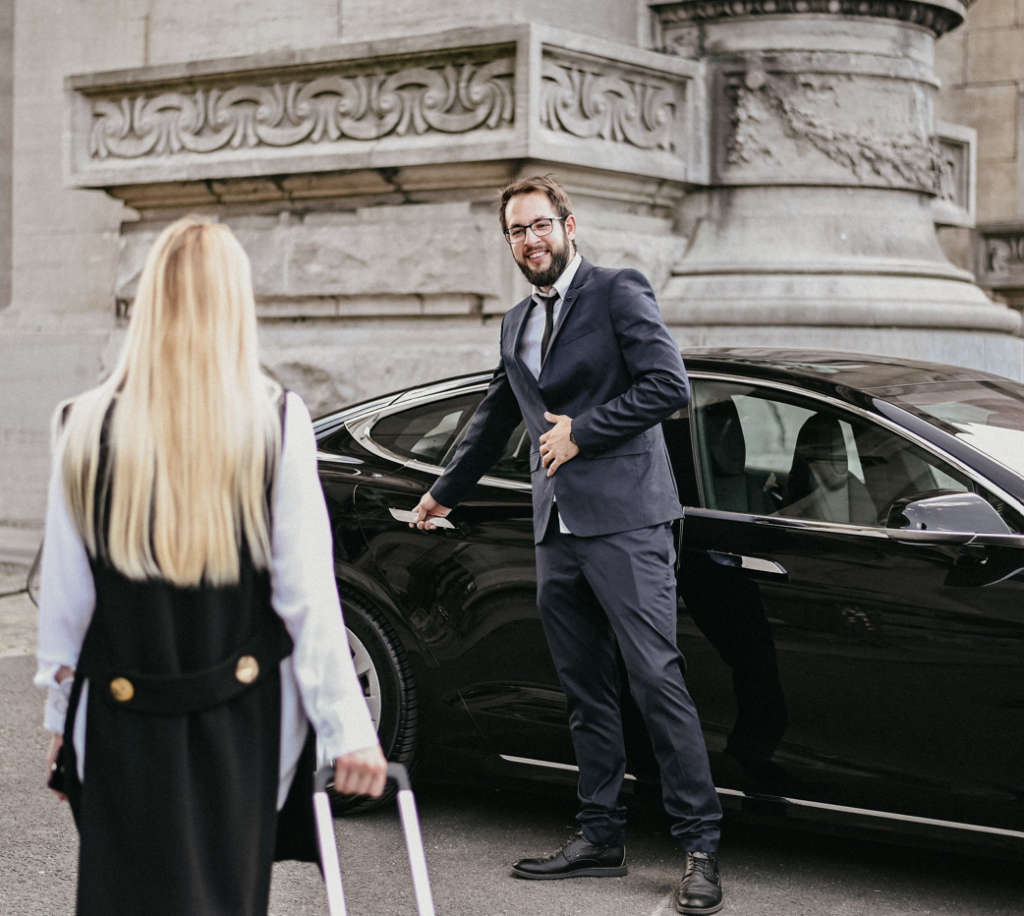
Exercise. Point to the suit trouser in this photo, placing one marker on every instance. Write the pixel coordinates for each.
(594, 593)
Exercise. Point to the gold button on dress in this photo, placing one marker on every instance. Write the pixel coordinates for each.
(247, 669)
(122, 689)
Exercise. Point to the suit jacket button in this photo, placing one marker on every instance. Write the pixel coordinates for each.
(121, 689)
(247, 669)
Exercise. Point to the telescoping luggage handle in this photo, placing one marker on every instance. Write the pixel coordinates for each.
(410, 827)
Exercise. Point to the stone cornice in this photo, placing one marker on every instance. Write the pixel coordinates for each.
(469, 96)
(938, 16)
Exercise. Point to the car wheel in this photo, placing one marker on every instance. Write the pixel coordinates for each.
(384, 675)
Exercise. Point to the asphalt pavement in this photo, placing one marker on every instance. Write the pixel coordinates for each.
(472, 834)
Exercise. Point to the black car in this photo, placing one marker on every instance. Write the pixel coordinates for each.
(851, 586)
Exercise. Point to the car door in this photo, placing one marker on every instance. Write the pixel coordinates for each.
(472, 590)
(864, 671)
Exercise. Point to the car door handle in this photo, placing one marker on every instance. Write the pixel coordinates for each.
(754, 564)
(408, 516)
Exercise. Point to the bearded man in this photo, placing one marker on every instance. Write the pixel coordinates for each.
(588, 362)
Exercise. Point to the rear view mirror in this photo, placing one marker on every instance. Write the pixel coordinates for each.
(944, 517)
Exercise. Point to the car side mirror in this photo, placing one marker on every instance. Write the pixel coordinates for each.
(944, 517)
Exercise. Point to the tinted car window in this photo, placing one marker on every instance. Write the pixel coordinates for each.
(765, 452)
(515, 463)
(432, 433)
(425, 432)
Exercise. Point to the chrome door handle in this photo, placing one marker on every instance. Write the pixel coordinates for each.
(408, 516)
(754, 564)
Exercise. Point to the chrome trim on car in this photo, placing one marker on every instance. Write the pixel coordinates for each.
(884, 422)
(754, 564)
(870, 812)
(774, 521)
(486, 480)
(551, 765)
(337, 459)
(804, 803)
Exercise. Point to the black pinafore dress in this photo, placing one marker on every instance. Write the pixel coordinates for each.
(177, 809)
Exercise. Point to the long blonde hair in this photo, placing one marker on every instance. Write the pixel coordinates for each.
(195, 430)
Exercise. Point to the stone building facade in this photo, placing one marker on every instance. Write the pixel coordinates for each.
(778, 168)
(981, 66)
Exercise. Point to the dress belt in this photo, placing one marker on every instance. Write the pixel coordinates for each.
(180, 694)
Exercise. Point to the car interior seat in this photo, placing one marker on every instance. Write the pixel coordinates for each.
(820, 485)
(732, 487)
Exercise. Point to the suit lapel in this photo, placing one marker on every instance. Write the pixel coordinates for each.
(518, 326)
(572, 294)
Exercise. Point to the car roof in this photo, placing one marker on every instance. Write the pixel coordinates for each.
(833, 372)
(827, 369)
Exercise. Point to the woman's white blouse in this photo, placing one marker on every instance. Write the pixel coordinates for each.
(318, 681)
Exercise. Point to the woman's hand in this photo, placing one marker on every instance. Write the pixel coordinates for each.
(361, 772)
(56, 743)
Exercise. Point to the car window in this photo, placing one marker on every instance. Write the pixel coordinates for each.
(425, 432)
(433, 432)
(515, 463)
(765, 452)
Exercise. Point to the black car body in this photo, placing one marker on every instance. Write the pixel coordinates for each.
(851, 582)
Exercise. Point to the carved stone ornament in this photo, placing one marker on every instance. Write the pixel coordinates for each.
(1002, 256)
(447, 99)
(805, 106)
(617, 106)
(956, 194)
(248, 128)
(938, 18)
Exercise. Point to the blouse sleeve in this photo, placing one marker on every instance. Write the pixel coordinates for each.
(67, 599)
(305, 595)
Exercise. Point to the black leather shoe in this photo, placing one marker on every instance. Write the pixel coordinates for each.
(577, 857)
(700, 890)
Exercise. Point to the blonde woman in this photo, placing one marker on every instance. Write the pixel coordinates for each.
(189, 622)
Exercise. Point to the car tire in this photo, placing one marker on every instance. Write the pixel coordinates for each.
(387, 684)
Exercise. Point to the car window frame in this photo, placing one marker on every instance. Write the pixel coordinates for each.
(361, 427)
(843, 406)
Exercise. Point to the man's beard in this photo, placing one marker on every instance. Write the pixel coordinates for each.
(560, 257)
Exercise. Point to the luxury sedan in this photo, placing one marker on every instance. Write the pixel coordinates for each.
(851, 589)
(851, 586)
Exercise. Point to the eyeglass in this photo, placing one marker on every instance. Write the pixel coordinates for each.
(539, 227)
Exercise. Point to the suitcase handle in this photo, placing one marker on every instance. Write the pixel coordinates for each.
(410, 828)
(397, 773)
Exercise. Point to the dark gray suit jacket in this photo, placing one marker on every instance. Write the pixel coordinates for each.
(612, 366)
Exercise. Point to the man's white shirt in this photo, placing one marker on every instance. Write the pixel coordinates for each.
(533, 332)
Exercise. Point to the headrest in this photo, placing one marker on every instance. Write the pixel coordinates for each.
(725, 438)
(820, 443)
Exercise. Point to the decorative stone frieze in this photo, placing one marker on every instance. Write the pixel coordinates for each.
(591, 100)
(468, 96)
(445, 99)
(775, 117)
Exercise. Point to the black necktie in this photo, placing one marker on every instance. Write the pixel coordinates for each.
(549, 322)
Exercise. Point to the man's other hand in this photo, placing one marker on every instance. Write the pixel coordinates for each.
(556, 447)
(427, 509)
(361, 772)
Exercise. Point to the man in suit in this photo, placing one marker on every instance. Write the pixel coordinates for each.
(588, 362)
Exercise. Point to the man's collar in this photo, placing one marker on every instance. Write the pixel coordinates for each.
(564, 281)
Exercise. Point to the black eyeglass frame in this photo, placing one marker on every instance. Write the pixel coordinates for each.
(529, 228)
